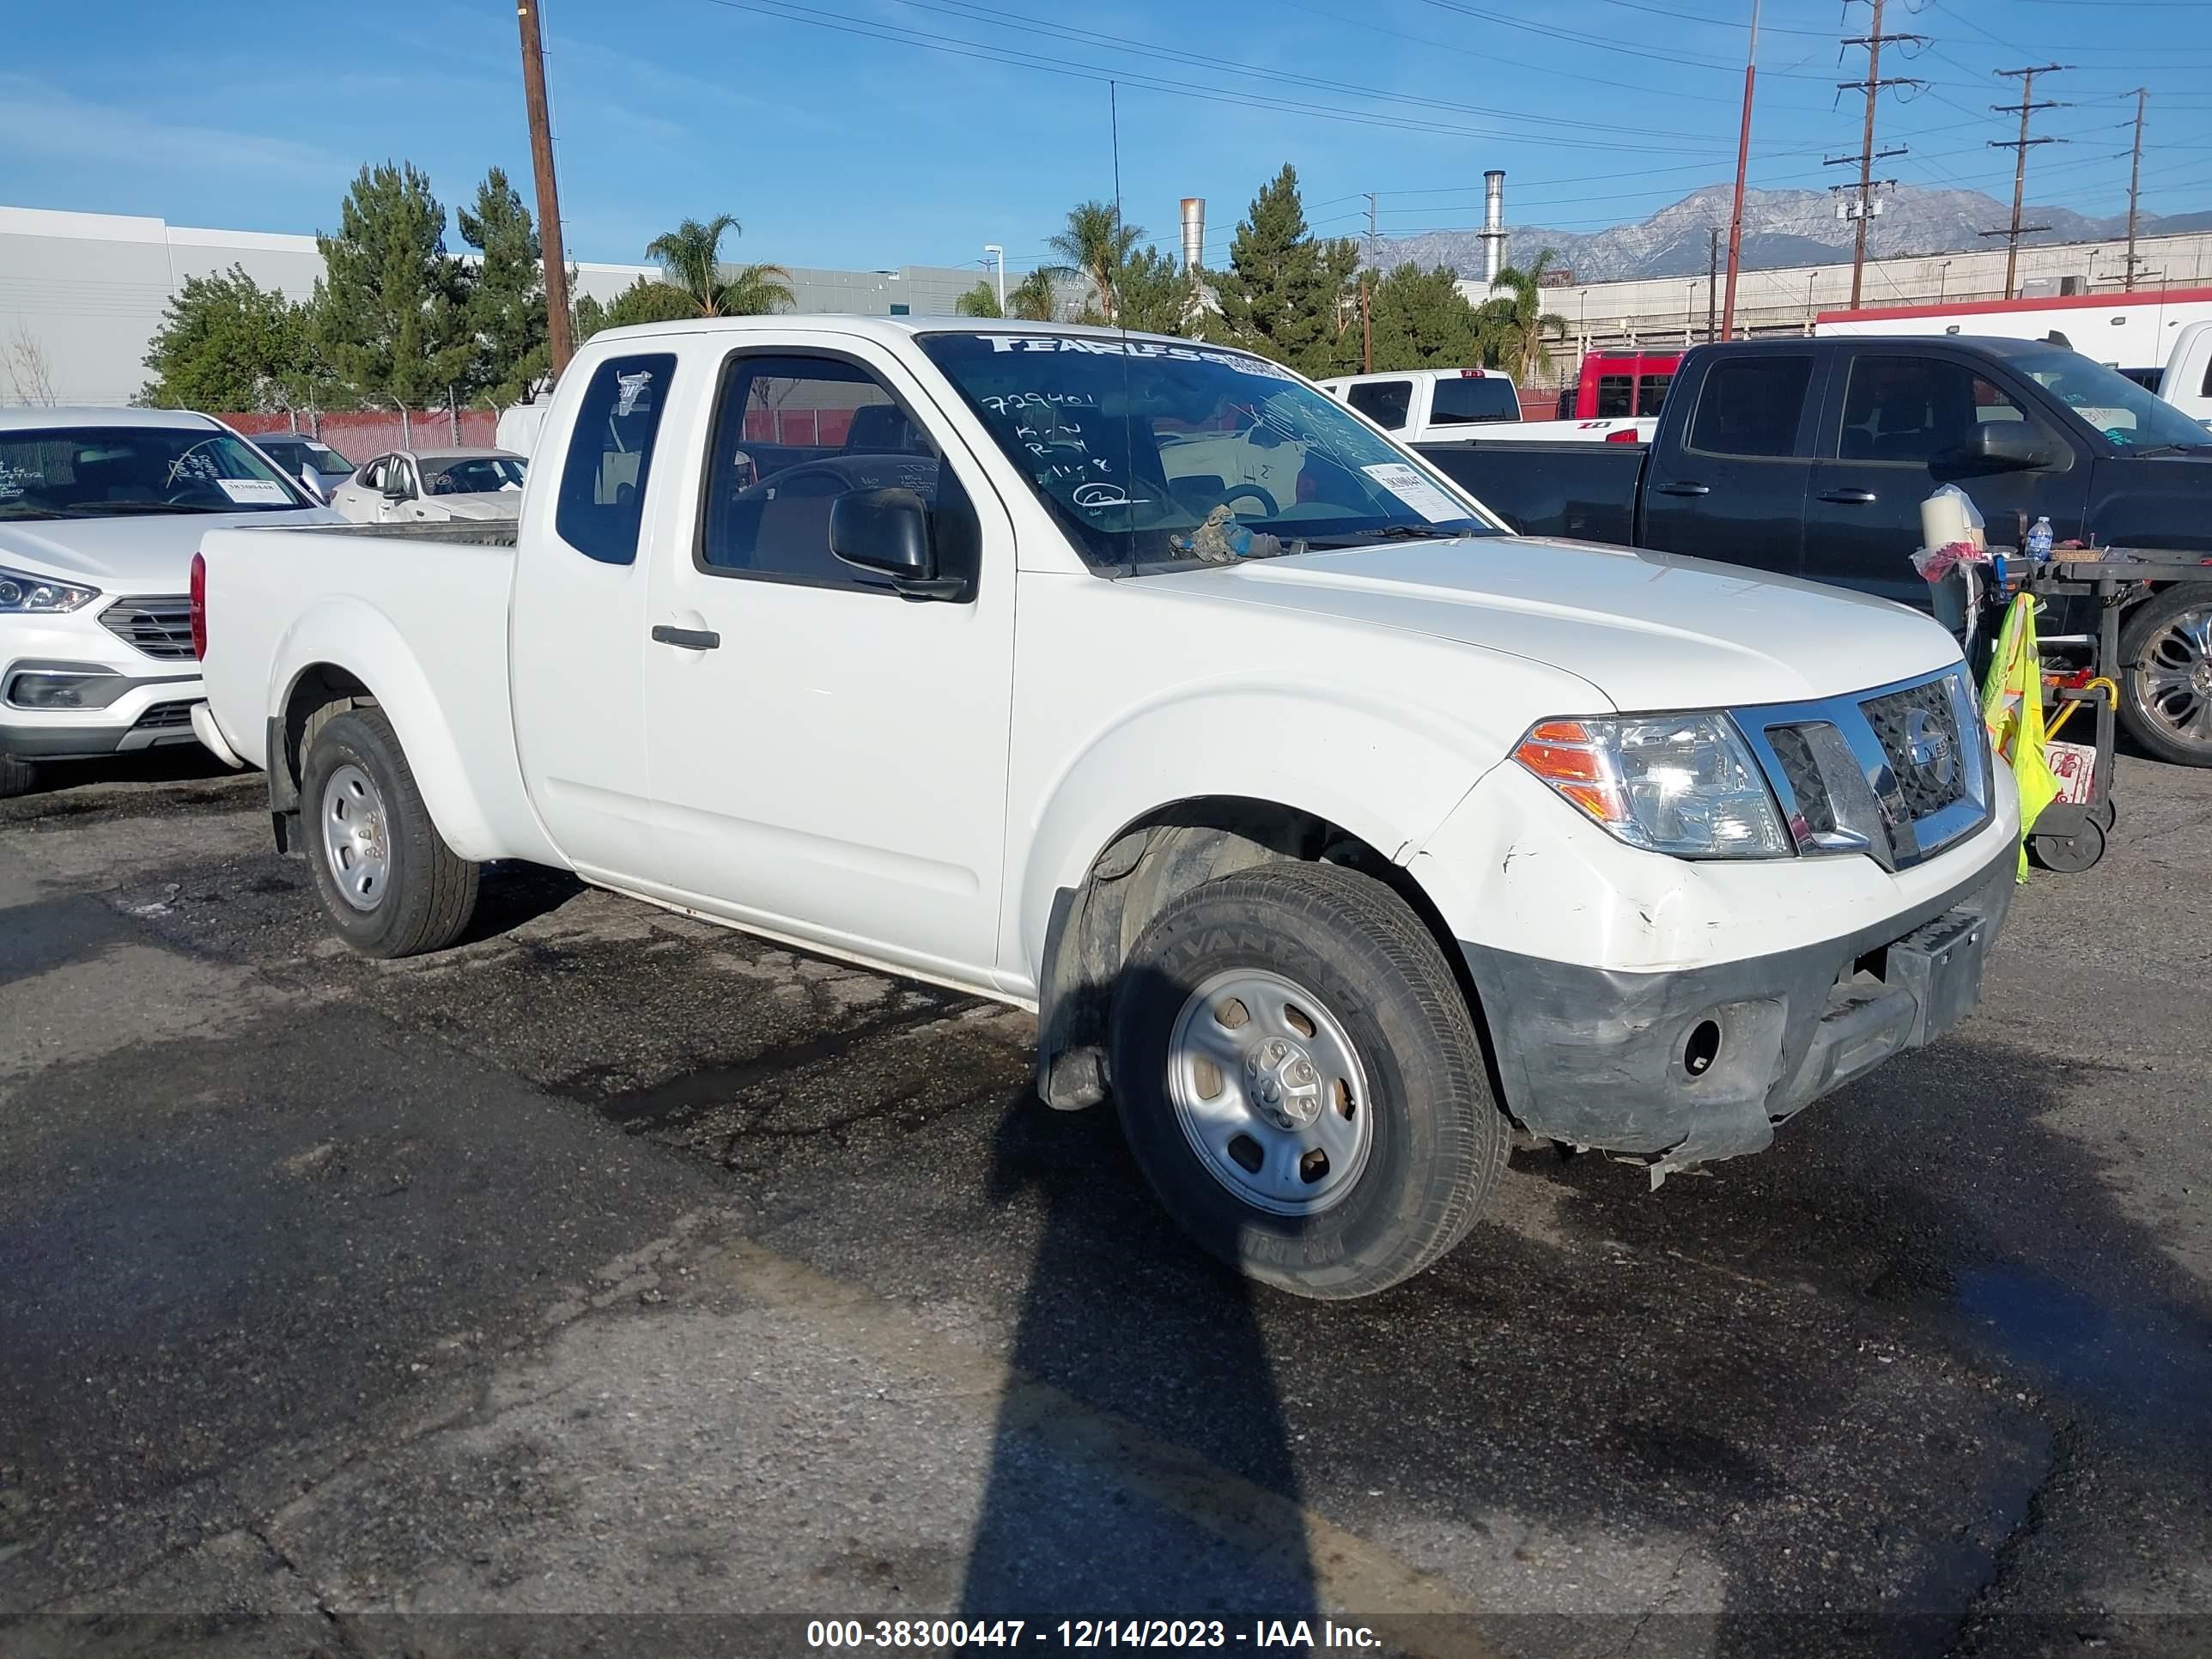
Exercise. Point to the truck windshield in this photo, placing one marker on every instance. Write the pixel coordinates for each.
(1155, 454)
(2111, 405)
(99, 472)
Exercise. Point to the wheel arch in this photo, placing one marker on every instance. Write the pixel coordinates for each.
(339, 654)
(1096, 918)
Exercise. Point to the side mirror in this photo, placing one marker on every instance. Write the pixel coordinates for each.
(887, 532)
(396, 490)
(2009, 444)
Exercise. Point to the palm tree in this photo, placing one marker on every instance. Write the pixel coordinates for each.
(1032, 300)
(1097, 244)
(691, 257)
(1514, 327)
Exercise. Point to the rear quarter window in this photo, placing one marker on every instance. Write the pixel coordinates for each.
(603, 476)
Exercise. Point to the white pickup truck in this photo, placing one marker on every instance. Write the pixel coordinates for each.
(1465, 406)
(1329, 842)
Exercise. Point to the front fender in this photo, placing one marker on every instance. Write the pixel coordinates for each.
(345, 632)
(1379, 767)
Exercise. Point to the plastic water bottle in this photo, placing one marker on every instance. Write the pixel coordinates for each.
(2039, 542)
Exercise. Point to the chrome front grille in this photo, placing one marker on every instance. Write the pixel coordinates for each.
(159, 627)
(1918, 730)
(1898, 773)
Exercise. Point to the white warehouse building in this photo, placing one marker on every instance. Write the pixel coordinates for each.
(1667, 313)
(82, 294)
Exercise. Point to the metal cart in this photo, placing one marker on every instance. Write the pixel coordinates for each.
(2070, 837)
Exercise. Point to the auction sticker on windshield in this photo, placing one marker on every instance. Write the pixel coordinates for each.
(255, 492)
(1417, 492)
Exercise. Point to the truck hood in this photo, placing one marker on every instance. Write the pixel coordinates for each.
(1650, 630)
(141, 553)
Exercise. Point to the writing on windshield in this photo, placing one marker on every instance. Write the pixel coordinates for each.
(1155, 454)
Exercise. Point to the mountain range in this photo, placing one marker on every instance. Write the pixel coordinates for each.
(1780, 228)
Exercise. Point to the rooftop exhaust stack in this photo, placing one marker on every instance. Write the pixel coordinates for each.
(1193, 232)
(1493, 225)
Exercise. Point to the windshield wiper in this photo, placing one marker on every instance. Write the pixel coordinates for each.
(1388, 532)
(2174, 449)
(11, 510)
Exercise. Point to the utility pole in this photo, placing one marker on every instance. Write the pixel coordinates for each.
(1862, 207)
(548, 192)
(1712, 271)
(2021, 146)
(1742, 162)
(2134, 189)
(1366, 307)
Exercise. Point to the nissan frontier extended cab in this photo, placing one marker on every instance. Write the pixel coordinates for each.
(1330, 831)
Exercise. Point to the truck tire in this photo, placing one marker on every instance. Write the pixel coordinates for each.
(2166, 689)
(1300, 1079)
(389, 884)
(17, 777)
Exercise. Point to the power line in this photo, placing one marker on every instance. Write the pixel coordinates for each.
(956, 47)
(2020, 147)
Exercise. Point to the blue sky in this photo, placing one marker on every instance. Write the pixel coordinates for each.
(873, 133)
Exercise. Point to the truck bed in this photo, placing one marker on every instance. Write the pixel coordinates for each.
(499, 532)
(1584, 491)
(420, 615)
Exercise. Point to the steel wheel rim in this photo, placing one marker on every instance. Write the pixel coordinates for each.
(1269, 1091)
(2174, 676)
(356, 838)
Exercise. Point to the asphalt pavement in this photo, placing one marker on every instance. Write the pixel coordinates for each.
(614, 1282)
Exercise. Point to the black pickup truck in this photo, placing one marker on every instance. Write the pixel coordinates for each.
(1811, 457)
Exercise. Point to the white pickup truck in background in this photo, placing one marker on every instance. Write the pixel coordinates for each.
(967, 650)
(1465, 406)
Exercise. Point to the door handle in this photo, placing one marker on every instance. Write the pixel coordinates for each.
(692, 639)
(1686, 489)
(1848, 497)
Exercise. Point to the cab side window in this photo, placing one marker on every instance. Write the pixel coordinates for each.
(602, 478)
(793, 434)
(1915, 410)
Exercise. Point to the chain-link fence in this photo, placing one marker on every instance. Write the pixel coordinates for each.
(361, 435)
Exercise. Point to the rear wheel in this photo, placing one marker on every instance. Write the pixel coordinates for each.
(2165, 692)
(17, 777)
(1300, 1079)
(388, 882)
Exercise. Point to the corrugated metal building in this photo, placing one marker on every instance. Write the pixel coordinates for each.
(85, 291)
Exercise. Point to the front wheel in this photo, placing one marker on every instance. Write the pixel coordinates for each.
(1300, 1079)
(17, 777)
(389, 884)
(2165, 689)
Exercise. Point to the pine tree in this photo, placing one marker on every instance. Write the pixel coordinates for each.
(506, 304)
(1421, 321)
(1286, 294)
(391, 310)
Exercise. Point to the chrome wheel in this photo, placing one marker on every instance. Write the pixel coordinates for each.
(356, 841)
(2175, 671)
(1269, 1092)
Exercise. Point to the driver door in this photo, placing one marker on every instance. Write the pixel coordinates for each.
(828, 758)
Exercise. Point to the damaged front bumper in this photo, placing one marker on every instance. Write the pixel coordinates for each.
(1694, 1063)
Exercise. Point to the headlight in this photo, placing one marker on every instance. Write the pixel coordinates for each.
(20, 594)
(1683, 784)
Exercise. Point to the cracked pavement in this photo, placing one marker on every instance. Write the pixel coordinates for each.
(616, 1283)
